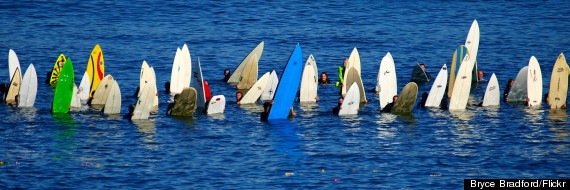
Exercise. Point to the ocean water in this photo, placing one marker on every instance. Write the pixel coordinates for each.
(430, 148)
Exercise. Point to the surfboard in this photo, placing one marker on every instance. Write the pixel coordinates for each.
(145, 76)
(185, 105)
(462, 86)
(288, 86)
(100, 96)
(186, 66)
(249, 74)
(13, 64)
(309, 81)
(217, 104)
(14, 88)
(472, 45)
(407, 99)
(438, 88)
(458, 56)
(236, 75)
(84, 88)
(269, 91)
(175, 76)
(63, 89)
(155, 101)
(351, 101)
(199, 85)
(353, 61)
(143, 106)
(387, 80)
(354, 77)
(558, 90)
(518, 91)
(113, 102)
(75, 99)
(29, 88)
(419, 75)
(492, 95)
(534, 82)
(253, 94)
(56, 69)
(95, 68)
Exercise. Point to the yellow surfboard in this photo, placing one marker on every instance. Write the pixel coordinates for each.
(57, 69)
(95, 68)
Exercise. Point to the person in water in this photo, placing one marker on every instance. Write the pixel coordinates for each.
(480, 75)
(388, 107)
(423, 100)
(341, 70)
(171, 105)
(4, 90)
(266, 107)
(239, 96)
(444, 104)
(166, 87)
(423, 66)
(508, 90)
(336, 109)
(324, 79)
(227, 75)
(131, 112)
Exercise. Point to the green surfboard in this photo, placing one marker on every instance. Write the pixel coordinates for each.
(407, 99)
(186, 103)
(64, 89)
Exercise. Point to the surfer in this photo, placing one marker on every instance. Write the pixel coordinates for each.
(388, 107)
(508, 90)
(444, 104)
(227, 75)
(480, 75)
(131, 112)
(166, 87)
(336, 109)
(239, 96)
(341, 73)
(171, 105)
(422, 103)
(423, 66)
(4, 90)
(324, 78)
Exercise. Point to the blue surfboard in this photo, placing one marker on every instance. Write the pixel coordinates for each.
(288, 86)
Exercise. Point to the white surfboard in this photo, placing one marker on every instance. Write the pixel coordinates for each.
(354, 77)
(492, 93)
(351, 101)
(270, 88)
(472, 42)
(236, 75)
(249, 74)
(518, 91)
(13, 63)
(199, 85)
(113, 103)
(186, 66)
(155, 101)
(217, 104)
(84, 88)
(309, 81)
(558, 88)
(100, 96)
(175, 76)
(462, 85)
(75, 99)
(253, 94)
(534, 82)
(145, 76)
(29, 88)
(438, 89)
(353, 61)
(144, 104)
(387, 80)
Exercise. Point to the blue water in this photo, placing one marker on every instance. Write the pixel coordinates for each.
(429, 149)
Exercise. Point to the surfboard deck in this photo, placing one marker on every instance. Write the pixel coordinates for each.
(288, 86)
(155, 99)
(255, 92)
(57, 69)
(462, 86)
(113, 101)
(354, 77)
(438, 88)
(13, 64)
(143, 107)
(518, 91)
(29, 88)
(102, 92)
(185, 105)
(84, 88)
(387, 81)
(14, 88)
(419, 75)
(64, 89)
(95, 68)
(558, 91)
(458, 56)
(534, 82)
(269, 91)
(217, 104)
(492, 95)
(75, 100)
(236, 75)
(309, 81)
(351, 101)
(199, 85)
(249, 74)
(181, 70)
(407, 99)
(353, 61)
